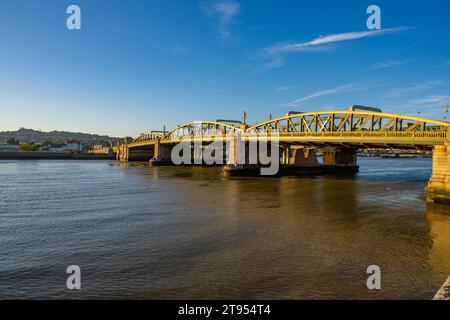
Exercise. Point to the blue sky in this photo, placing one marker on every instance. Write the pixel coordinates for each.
(138, 65)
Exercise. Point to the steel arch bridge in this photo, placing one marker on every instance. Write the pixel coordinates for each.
(205, 130)
(338, 133)
(145, 139)
(360, 129)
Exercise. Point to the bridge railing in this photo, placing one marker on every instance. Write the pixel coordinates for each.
(372, 134)
(439, 135)
(146, 137)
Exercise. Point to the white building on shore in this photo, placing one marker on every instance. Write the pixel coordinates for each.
(8, 147)
(69, 146)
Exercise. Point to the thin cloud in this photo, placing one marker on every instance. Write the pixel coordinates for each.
(428, 97)
(275, 63)
(225, 11)
(332, 38)
(389, 64)
(434, 85)
(431, 101)
(431, 105)
(274, 55)
(344, 88)
(283, 88)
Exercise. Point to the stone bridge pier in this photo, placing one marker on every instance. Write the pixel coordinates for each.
(289, 159)
(125, 154)
(122, 153)
(162, 155)
(438, 189)
(244, 158)
(299, 157)
(340, 159)
(140, 154)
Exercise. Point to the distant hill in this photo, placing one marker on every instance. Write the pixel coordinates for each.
(30, 135)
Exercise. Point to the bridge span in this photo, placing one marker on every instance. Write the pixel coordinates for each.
(338, 134)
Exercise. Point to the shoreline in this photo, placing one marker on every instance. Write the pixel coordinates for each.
(53, 156)
(91, 156)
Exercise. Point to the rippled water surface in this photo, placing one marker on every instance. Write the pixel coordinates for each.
(172, 232)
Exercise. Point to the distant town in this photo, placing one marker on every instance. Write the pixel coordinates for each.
(36, 141)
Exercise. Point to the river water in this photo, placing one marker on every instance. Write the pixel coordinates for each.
(181, 232)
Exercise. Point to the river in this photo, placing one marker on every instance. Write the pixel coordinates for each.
(179, 232)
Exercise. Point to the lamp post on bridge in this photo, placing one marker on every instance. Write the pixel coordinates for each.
(244, 122)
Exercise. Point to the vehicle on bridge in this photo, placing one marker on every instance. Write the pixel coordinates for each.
(364, 108)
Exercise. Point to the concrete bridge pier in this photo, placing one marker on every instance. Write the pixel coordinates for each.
(297, 160)
(292, 160)
(122, 153)
(205, 155)
(125, 154)
(340, 160)
(140, 154)
(239, 160)
(162, 155)
(438, 189)
(304, 158)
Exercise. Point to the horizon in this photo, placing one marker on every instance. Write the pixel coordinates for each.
(120, 75)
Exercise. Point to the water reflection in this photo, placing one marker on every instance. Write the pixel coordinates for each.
(181, 232)
(439, 220)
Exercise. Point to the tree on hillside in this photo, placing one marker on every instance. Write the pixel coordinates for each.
(57, 143)
(29, 147)
(12, 141)
(46, 143)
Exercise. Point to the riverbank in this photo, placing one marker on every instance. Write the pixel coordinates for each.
(17, 155)
(394, 153)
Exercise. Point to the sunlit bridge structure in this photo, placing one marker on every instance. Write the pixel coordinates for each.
(337, 134)
(208, 130)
